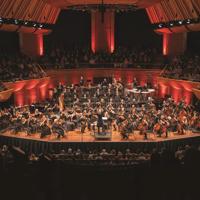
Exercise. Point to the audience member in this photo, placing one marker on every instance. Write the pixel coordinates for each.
(184, 67)
(16, 67)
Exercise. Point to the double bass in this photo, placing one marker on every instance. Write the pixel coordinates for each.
(142, 127)
(164, 128)
(157, 129)
(123, 130)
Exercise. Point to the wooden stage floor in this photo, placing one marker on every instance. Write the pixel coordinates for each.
(76, 136)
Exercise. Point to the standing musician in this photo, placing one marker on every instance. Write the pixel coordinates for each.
(142, 127)
(135, 83)
(100, 120)
(164, 128)
(83, 121)
(124, 130)
(61, 102)
(81, 82)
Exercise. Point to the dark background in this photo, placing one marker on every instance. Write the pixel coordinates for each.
(73, 28)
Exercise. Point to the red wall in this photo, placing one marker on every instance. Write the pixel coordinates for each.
(31, 44)
(103, 33)
(174, 43)
(29, 91)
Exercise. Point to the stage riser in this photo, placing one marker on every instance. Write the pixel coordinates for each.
(39, 146)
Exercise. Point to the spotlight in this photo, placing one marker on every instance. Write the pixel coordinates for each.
(160, 25)
(25, 22)
(41, 26)
(171, 24)
(180, 22)
(34, 25)
(16, 21)
(188, 21)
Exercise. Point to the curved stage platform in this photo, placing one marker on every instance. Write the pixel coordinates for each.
(31, 91)
(87, 141)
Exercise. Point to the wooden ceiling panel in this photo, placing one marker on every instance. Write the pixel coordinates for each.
(66, 3)
(31, 10)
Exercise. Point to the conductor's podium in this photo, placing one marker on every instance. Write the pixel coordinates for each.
(107, 135)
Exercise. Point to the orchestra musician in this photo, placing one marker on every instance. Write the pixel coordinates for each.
(45, 129)
(124, 130)
(157, 129)
(61, 102)
(180, 128)
(164, 128)
(100, 124)
(142, 127)
(58, 129)
(81, 82)
(135, 83)
(83, 124)
(16, 124)
(33, 125)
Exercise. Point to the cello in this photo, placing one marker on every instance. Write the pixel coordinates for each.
(123, 130)
(157, 129)
(142, 127)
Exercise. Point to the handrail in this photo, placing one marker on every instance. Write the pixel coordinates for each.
(101, 65)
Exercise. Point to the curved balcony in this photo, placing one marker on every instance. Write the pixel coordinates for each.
(178, 89)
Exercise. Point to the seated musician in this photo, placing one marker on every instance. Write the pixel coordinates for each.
(109, 94)
(84, 98)
(197, 126)
(98, 93)
(58, 129)
(105, 82)
(142, 127)
(33, 125)
(117, 99)
(81, 82)
(135, 83)
(165, 126)
(57, 91)
(16, 124)
(83, 121)
(181, 128)
(145, 88)
(45, 129)
(157, 129)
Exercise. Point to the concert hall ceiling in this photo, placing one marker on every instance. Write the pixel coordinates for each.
(26, 10)
(47, 11)
(32, 10)
(176, 10)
